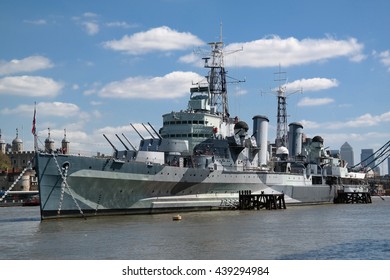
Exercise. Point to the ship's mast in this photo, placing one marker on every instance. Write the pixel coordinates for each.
(217, 79)
(281, 129)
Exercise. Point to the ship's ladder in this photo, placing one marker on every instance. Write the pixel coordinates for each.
(64, 172)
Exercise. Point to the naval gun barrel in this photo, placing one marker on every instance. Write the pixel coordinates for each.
(112, 145)
(139, 134)
(124, 145)
(159, 136)
(128, 141)
(148, 131)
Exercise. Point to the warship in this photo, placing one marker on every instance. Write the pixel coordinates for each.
(200, 159)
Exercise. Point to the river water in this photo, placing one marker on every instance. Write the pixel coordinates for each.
(321, 232)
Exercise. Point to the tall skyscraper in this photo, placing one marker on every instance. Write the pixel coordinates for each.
(366, 157)
(346, 153)
(388, 166)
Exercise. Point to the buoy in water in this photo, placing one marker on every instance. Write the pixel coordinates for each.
(176, 218)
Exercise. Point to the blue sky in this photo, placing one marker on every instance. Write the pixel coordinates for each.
(93, 67)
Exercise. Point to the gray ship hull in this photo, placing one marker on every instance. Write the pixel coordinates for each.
(74, 185)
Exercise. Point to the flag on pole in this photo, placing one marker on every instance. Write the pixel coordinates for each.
(33, 130)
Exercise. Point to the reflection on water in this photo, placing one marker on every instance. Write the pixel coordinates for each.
(309, 232)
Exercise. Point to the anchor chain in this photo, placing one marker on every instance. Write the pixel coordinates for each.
(64, 182)
(17, 180)
(62, 190)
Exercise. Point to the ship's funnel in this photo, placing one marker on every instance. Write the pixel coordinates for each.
(295, 138)
(260, 132)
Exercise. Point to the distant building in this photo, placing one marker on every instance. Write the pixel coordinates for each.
(346, 153)
(335, 153)
(65, 144)
(2, 144)
(20, 160)
(49, 143)
(17, 143)
(367, 158)
(388, 166)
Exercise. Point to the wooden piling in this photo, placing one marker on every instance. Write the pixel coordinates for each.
(249, 201)
(353, 197)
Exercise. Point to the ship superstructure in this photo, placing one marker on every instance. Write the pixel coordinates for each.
(207, 115)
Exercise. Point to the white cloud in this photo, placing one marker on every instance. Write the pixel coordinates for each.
(89, 91)
(335, 140)
(70, 134)
(90, 15)
(28, 64)
(156, 39)
(314, 84)
(239, 91)
(45, 109)
(79, 140)
(89, 21)
(309, 124)
(91, 27)
(111, 130)
(36, 22)
(59, 109)
(366, 120)
(96, 114)
(96, 103)
(30, 86)
(193, 59)
(384, 57)
(172, 85)
(91, 88)
(121, 24)
(273, 51)
(314, 101)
